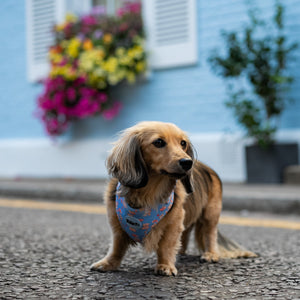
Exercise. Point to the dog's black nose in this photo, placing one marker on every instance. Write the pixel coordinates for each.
(185, 164)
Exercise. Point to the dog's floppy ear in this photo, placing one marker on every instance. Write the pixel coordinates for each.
(190, 150)
(126, 162)
(187, 180)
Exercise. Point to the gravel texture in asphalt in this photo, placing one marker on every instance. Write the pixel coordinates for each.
(47, 254)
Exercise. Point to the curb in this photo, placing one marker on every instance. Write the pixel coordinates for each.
(239, 197)
(270, 205)
(55, 190)
(54, 195)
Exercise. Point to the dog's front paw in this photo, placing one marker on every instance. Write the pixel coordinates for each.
(166, 270)
(210, 257)
(103, 265)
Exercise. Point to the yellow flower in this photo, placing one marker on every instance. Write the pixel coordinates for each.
(71, 18)
(88, 44)
(107, 38)
(96, 81)
(138, 40)
(131, 53)
(138, 51)
(55, 58)
(67, 71)
(121, 73)
(113, 79)
(110, 65)
(92, 78)
(99, 72)
(101, 84)
(140, 66)
(125, 60)
(89, 59)
(64, 44)
(130, 77)
(73, 47)
(120, 51)
(100, 54)
(60, 27)
(85, 62)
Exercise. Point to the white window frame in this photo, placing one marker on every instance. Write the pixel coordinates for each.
(173, 55)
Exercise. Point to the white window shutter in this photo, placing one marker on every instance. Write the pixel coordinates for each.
(171, 32)
(41, 16)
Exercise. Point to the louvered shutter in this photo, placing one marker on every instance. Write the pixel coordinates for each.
(171, 32)
(41, 15)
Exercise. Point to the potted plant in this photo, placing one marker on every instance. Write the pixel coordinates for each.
(255, 68)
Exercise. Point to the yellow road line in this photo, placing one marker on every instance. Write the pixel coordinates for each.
(100, 209)
(272, 223)
(83, 208)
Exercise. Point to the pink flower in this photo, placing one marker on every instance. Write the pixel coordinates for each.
(135, 7)
(55, 125)
(89, 20)
(110, 113)
(58, 98)
(129, 8)
(86, 92)
(79, 81)
(102, 97)
(71, 94)
(45, 103)
(84, 108)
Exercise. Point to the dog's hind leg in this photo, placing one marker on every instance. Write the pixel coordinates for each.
(185, 239)
(206, 231)
(208, 241)
(114, 257)
(199, 236)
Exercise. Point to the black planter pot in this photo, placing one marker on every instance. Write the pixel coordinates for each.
(267, 165)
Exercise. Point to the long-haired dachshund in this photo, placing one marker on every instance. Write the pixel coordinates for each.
(159, 192)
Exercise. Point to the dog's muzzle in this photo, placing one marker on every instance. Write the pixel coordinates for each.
(185, 164)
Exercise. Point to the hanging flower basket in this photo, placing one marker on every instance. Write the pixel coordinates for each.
(92, 54)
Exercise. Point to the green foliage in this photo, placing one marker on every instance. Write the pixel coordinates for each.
(257, 55)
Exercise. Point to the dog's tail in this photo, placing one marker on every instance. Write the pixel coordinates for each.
(231, 249)
(227, 248)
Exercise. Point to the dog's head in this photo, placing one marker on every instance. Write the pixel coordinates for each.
(151, 147)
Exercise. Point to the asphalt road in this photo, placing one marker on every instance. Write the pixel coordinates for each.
(46, 254)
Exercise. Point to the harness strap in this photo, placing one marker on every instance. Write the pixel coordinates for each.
(138, 222)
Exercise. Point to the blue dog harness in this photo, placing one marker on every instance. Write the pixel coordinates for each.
(138, 222)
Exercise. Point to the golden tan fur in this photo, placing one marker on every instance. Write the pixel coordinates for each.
(148, 171)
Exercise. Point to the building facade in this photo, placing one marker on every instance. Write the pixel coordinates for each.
(180, 88)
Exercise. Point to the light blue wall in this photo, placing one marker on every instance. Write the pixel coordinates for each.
(17, 96)
(191, 97)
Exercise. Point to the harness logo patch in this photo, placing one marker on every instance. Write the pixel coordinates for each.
(133, 222)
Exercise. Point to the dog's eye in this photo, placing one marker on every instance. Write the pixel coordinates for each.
(159, 143)
(183, 144)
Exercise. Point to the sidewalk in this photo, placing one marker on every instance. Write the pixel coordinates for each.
(236, 196)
